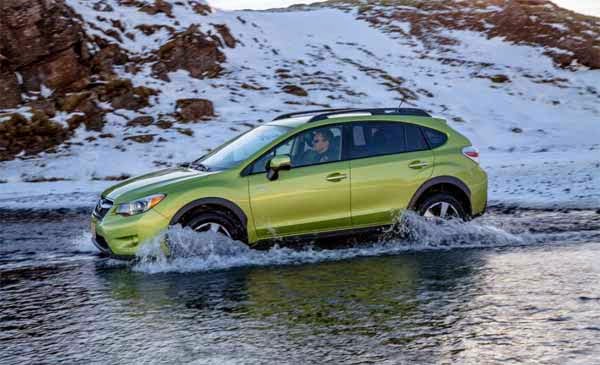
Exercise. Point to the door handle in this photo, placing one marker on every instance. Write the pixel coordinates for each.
(418, 164)
(335, 177)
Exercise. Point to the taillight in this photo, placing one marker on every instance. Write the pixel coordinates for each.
(472, 153)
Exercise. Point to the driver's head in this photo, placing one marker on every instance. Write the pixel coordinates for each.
(321, 140)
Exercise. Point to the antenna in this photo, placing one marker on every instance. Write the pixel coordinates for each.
(401, 102)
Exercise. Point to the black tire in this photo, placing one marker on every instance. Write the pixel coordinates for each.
(226, 220)
(436, 201)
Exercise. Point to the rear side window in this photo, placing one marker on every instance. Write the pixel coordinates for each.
(376, 139)
(434, 138)
(382, 138)
(414, 139)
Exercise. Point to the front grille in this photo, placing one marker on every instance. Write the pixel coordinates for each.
(102, 208)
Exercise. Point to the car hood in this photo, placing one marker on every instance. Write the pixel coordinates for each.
(151, 183)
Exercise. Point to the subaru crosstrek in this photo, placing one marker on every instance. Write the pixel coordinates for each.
(304, 175)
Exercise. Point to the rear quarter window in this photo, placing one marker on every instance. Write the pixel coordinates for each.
(434, 138)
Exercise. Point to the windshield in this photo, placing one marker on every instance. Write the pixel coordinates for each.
(237, 151)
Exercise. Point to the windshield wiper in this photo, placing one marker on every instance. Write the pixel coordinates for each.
(198, 166)
(194, 165)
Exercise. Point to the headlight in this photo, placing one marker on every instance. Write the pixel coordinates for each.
(140, 205)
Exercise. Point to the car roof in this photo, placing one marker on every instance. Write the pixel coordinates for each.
(296, 119)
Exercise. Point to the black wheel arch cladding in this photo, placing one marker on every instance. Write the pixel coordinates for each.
(220, 202)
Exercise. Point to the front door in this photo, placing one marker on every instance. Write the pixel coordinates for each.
(313, 196)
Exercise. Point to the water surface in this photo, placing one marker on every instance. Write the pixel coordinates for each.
(515, 287)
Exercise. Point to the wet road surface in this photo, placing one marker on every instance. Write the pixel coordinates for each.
(516, 286)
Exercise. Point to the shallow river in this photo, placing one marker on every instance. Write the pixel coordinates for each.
(513, 287)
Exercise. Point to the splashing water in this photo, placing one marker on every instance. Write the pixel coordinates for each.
(193, 251)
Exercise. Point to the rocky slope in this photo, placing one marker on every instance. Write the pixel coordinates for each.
(62, 75)
(569, 38)
(96, 91)
(61, 60)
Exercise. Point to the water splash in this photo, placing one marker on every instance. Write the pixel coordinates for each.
(193, 251)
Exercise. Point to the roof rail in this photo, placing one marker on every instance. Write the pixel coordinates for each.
(316, 111)
(377, 111)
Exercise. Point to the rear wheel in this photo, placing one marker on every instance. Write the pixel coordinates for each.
(442, 205)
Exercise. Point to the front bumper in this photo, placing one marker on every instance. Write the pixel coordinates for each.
(121, 237)
(103, 247)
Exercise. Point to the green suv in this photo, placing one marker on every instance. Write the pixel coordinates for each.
(304, 175)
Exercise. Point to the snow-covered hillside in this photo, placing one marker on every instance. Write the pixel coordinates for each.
(537, 125)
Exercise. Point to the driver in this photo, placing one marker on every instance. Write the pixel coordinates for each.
(322, 146)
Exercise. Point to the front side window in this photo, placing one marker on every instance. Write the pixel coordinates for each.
(237, 151)
(260, 165)
(316, 146)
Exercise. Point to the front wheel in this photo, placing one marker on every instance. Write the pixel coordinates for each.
(217, 222)
(444, 206)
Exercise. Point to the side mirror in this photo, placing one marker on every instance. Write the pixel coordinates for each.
(276, 164)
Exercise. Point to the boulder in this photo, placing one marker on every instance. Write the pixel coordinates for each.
(194, 109)
(142, 121)
(31, 30)
(500, 79)
(103, 6)
(10, 94)
(45, 106)
(35, 135)
(589, 56)
(72, 102)
(57, 72)
(109, 56)
(122, 95)
(93, 119)
(86, 103)
(225, 33)
(192, 51)
(294, 90)
(149, 29)
(44, 42)
(140, 138)
(159, 6)
(201, 8)
(186, 131)
(164, 124)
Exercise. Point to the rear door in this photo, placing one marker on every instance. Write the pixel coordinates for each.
(389, 161)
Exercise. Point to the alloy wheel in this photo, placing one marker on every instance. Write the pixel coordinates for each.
(213, 227)
(442, 210)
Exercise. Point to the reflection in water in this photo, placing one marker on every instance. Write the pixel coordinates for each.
(367, 307)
